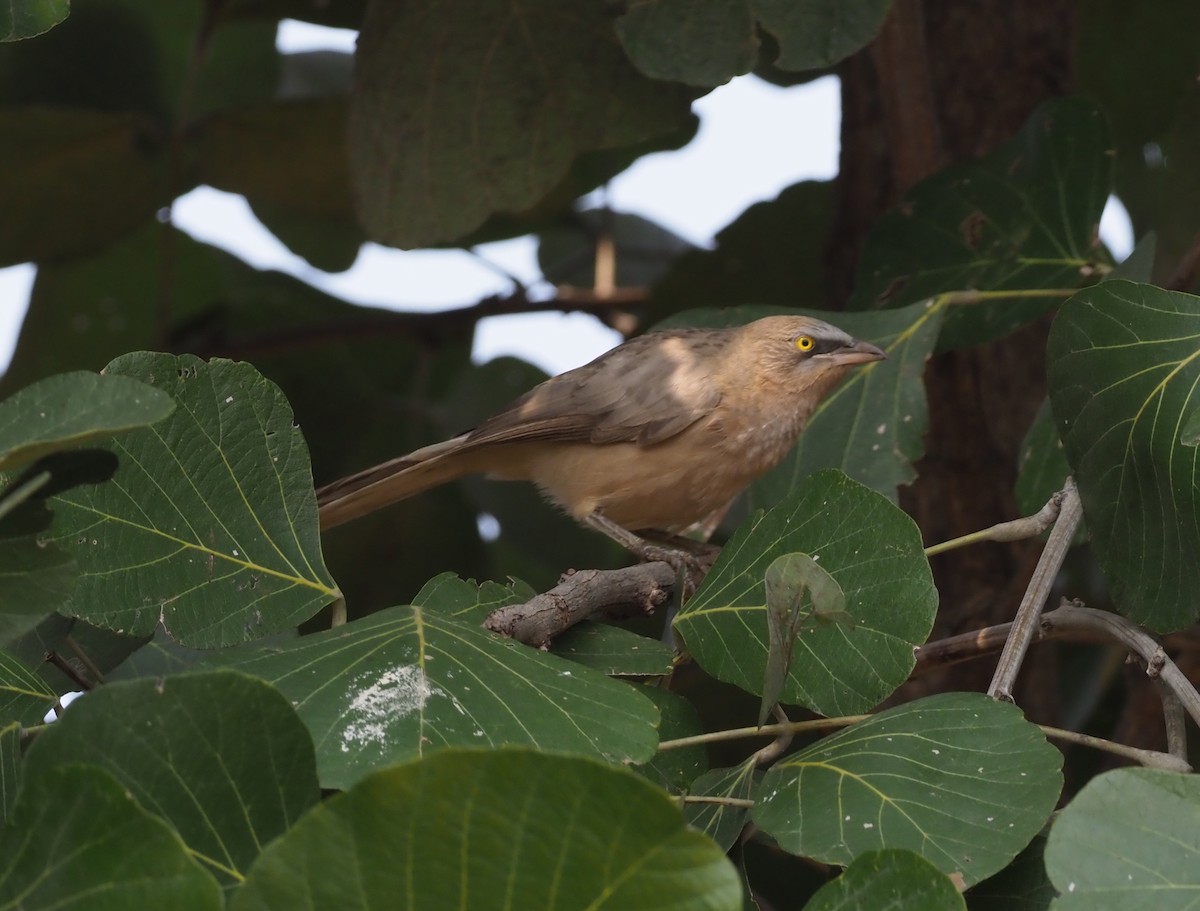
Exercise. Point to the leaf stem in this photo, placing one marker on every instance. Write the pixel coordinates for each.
(767, 730)
(1014, 530)
(713, 798)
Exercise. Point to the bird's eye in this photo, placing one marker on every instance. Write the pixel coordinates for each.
(805, 343)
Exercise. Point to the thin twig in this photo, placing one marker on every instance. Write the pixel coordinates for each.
(767, 730)
(1151, 759)
(723, 801)
(779, 745)
(1174, 720)
(1158, 665)
(84, 658)
(23, 492)
(63, 665)
(1028, 614)
(1016, 530)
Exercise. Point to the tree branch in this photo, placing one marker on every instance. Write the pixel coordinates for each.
(1026, 623)
(582, 594)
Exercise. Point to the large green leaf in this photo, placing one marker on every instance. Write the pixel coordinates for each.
(708, 42)
(959, 778)
(1124, 365)
(1024, 217)
(465, 109)
(27, 18)
(408, 680)
(88, 112)
(773, 253)
(24, 696)
(496, 829)
(35, 576)
(674, 769)
(893, 880)
(77, 839)
(210, 525)
(220, 756)
(873, 551)
(68, 410)
(1128, 841)
(723, 822)
(1021, 886)
(59, 196)
(307, 203)
(614, 651)
(10, 769)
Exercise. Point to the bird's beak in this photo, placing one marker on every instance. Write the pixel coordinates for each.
(856, 353)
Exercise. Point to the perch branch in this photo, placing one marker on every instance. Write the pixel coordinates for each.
(1029, 613)
(582, 594)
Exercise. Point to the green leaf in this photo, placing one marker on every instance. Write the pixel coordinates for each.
(463, 598)
(78, 839)
(76, 206)
(819, 33)
(24, 696)
(35, 576)
(708, 42)
(543, 86)
(1129, 52)
(68, 410)
(494, 830)
(10, 770)
(1190, 435)
(220, 756)
(1124, 365)
(895, 880)
(785, 582)
(27, 18)
(307, 203)
(723, 823)
(210, 525)
(678, 718)
(1021, 886)
(1128, 841)
(1024, 217)
(613, 651)
(959, 778)
(773, 253)
(888, 588)
(408, 680)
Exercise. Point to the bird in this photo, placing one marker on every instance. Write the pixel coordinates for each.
(649, 439)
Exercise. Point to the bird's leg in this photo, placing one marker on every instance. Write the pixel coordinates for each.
(690, 565)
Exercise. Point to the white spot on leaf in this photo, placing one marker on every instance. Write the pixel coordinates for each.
(394, 694)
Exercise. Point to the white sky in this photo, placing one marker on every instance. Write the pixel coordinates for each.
(755, 139)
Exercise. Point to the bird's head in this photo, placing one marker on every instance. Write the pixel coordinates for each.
(804, 356)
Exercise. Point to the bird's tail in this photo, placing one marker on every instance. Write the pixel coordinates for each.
(392, 481)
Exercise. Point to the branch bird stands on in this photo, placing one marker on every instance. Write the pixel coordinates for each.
(652, 437)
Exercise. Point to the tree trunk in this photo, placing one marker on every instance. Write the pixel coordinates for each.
(947, 82)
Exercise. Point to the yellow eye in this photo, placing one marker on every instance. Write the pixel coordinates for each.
(804, 343)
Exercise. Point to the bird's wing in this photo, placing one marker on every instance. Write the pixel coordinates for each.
(645, 391)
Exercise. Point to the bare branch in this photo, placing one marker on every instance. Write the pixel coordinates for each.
(582, 594)
(1026, 623)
